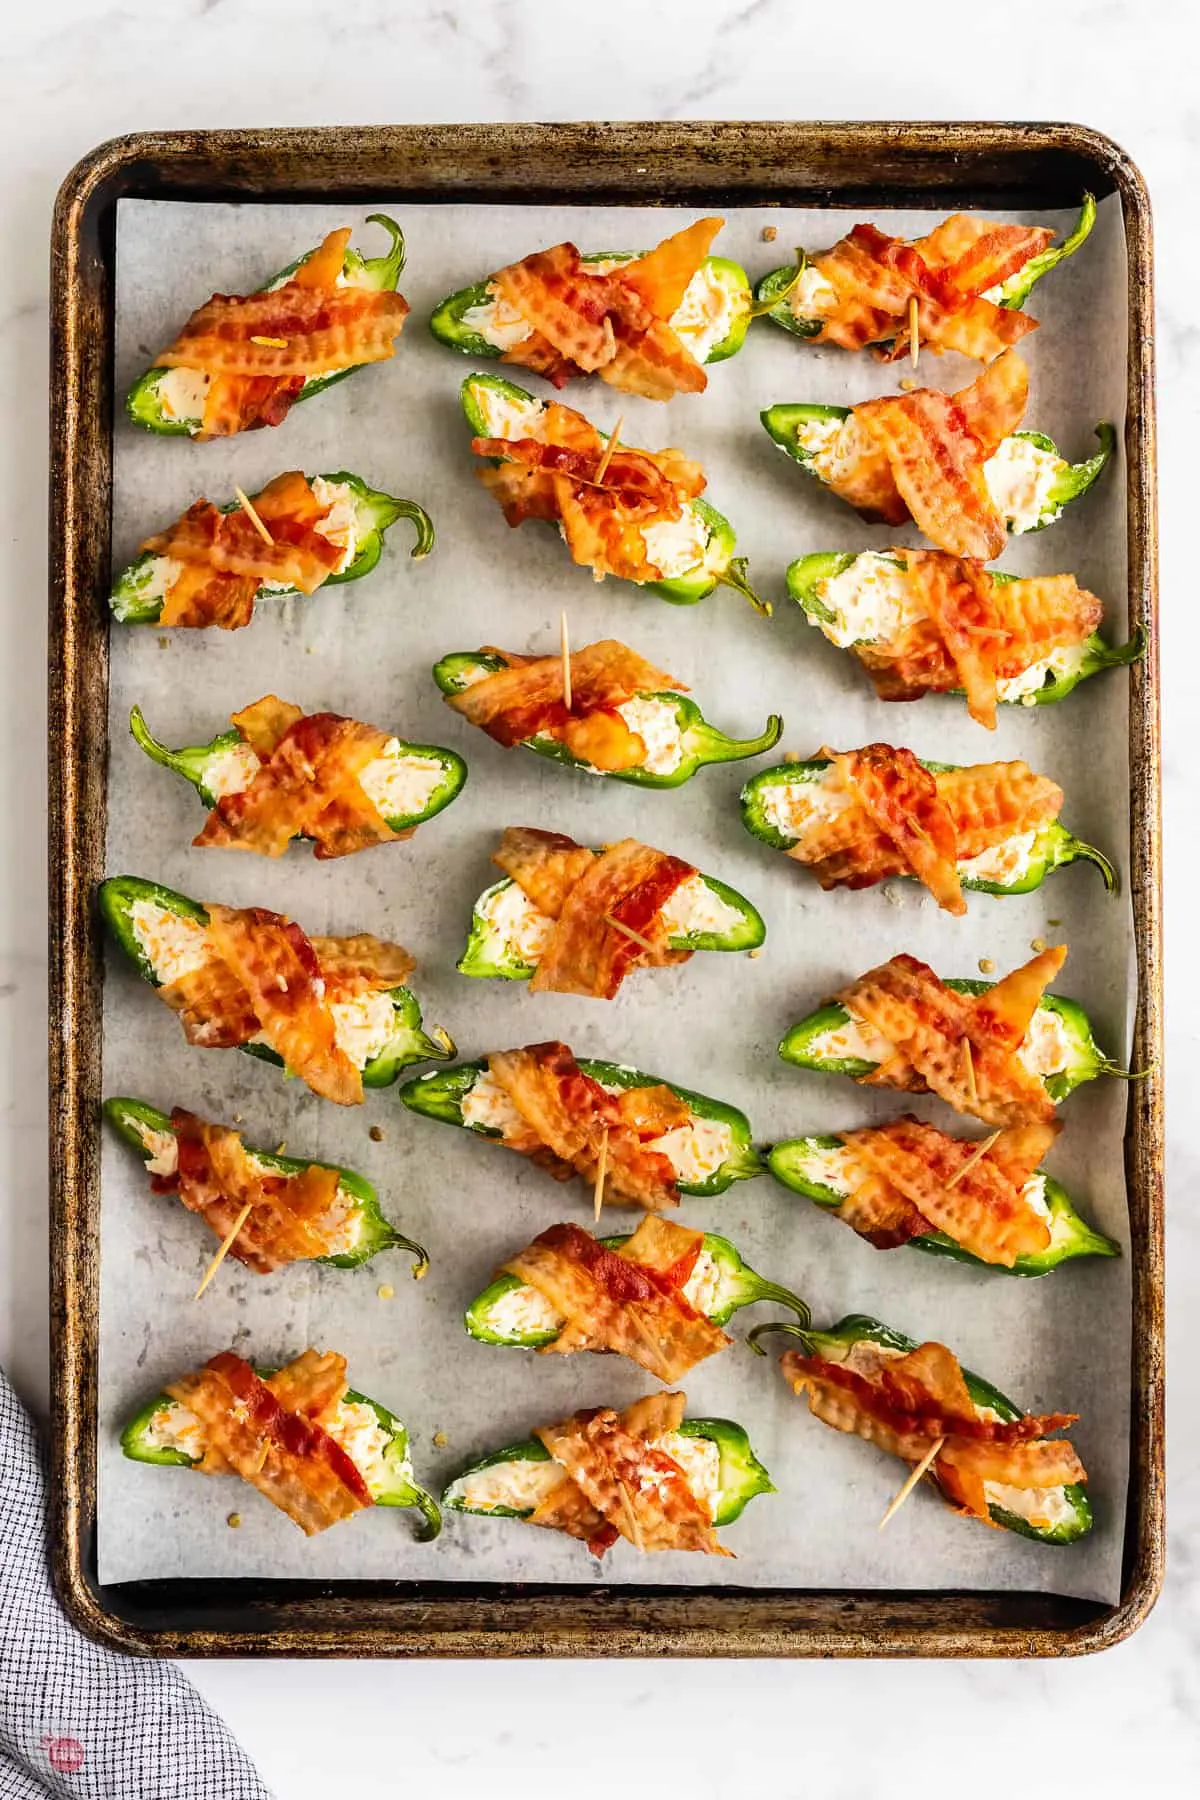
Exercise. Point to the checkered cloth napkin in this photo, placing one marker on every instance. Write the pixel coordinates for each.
(76, 1719)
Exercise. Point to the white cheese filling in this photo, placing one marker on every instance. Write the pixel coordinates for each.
(1019, 478)
(703, 318)
(854, 1041)
(364, 1026)
(813, 295)
(525, 930)
(835, 446)
(181, 395)
(399, 785)
(695, 908)
(1067, 660)
(523, 1309)
(873, 601)
(497, 322)
(1002, 863)
(504, 417)
(351, 1423)
(656, 722)
(156, 576)
(676, 546)
(524, 1485)
(837, 1168)
(1046, 1048)
(792, 807)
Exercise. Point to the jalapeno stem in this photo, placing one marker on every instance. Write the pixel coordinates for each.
(734, 576)
(784, 1325)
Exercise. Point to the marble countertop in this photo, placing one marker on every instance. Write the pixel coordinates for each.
(76, 72)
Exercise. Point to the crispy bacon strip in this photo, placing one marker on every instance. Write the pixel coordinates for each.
(307, 785)
(292, 1217)
(287, 1456)
(629, 1481)
(616, 1300)
(323, 328)
(582, 892)
(875, 278)
(929, 1024)
(225, 560)
(902, 802)
(263, 978)
(565, 1115)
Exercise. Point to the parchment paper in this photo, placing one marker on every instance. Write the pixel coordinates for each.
(366, 650)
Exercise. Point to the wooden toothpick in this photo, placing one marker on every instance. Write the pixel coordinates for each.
(224, 1250)
(979, 1152)
(914, 332)
(629, 932)
(565, 640)
(601, 1172)
(913, 1478)
(253, 517)
(969, 1071)
(611, 445)
(270, 343)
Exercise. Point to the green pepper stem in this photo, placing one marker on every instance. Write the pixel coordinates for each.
(734, 576)
(1089, 853)
(760, 308)
(420, 1256)
(421, 522)
(394, 255)
(770, 1290)
(784, 1325)
(431, 1515)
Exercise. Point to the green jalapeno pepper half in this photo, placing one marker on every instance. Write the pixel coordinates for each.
(1074, 1509)
(809, 1166)
(409, 1042)
(1053, 846)
(206, 766)
(807, 1044)
(149, 1437)
(1043, 684)
(1011, 294)
(509, 1475)
(699, 743)
(148, 1130)
(721, 1284)
(488, 402)
(143, 403)
(452, 325)
(139, 591)
(492, 952)
(440, 1095)
(787, 424)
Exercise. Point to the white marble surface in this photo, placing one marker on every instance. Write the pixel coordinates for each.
(74, 72)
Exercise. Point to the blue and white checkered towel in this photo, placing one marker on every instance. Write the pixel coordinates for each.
(76, 1719)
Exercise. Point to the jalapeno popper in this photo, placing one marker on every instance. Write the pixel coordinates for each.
(627, 719)
(570, 920)
(922, 622)
(243, 361)
(954, 463)
(658, 1297)
(857, 817)
(646, 1474)
(985, 1202)
(650, 1139)
(968, 277)
(309, 1443)
(995, 1463)
(282, 774)
(299, 1211)
(1003, 1051)
(644, 323)
(215, 563)
(333, 1011)
(635, 514)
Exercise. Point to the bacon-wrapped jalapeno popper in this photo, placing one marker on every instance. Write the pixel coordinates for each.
(214, 564)
(283, 774)
(996, 1463)
(646, 1474)
(634, 514)
(923, 622)
(645, 323)
(627, 719)
(953, 463)
(243, 361)
(1003, 1051)
(984, 1202)
(334, 1011)
(657, 1140)
(571, 920)
(300, 1211)
(857, 817)
(969, 278)
(309, 1443)
(659, 1296)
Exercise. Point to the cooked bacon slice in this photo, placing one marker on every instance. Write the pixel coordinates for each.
(224, 559)
(617, 1300)
(615, 325)
(312, 1384)
(263, 978)
(963, 1047)
(324, 328)
(946, 1185)
(591, 896)
(307, 785)
(879, 1212)
(947, 272)
(292, 1217)
(628, 1480)
(286, 1455)
(903, 1404)
(901, 800)
(565, 1115)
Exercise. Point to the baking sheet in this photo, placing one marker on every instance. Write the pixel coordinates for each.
(366, 650)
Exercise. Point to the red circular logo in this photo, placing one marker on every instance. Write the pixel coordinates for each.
(65, 1754)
